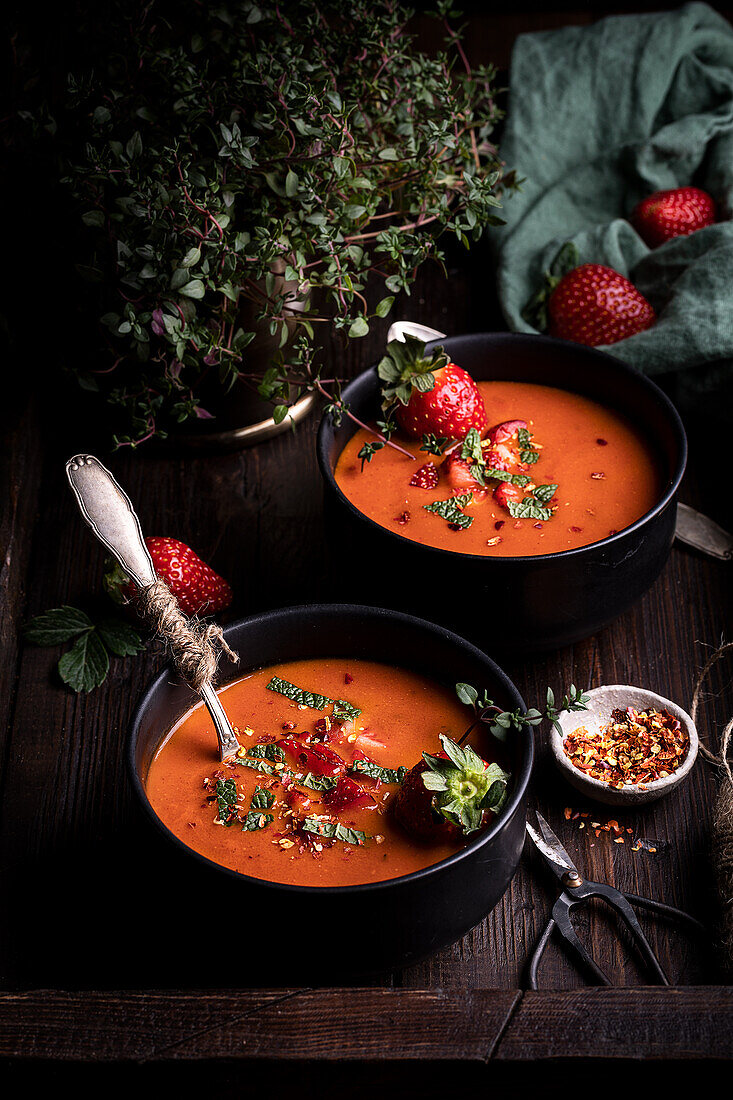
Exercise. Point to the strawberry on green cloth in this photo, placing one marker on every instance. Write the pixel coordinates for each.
(677, 213)
(601, 118)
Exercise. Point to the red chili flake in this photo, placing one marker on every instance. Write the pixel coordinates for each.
(348, 678)
(612, 532)
(426, 477)
(288, 725)
(537, 525)
(456, 527)
(518, 523)
(597, 476)
(632, 749)
(499, 524)
(403, 517)
(575, 530)
(602, 442)
(567, 813)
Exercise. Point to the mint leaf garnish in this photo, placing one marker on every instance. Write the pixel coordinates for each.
(450, 509)
(254, 820)
(255, 765)
(262, 799)
(341, 709)
(374, 771)
(226, 800)
(333, 830)
(534, 505)
(271, 752)
(316, 782)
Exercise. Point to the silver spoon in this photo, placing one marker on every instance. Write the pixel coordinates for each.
(693, 528)
(109, 512)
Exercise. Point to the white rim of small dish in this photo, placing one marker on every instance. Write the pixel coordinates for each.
(603, 700)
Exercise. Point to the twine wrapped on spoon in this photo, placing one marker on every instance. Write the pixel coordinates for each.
(722, 838)
(194, 647)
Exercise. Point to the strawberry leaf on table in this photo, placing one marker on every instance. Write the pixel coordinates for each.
(86, 664)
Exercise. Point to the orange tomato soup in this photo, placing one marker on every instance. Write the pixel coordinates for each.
(606, 475)
(402, 715)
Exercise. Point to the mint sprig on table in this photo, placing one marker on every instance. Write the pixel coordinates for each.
(342, 710)
(86, 664)
(501, 721)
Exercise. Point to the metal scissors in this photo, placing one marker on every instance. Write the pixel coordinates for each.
(576, 891)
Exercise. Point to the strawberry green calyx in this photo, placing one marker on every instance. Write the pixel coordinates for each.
(464, 786)
(116, 582)
(535, 311)
(406, 367)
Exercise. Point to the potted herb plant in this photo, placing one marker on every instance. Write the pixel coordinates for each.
(257, 175)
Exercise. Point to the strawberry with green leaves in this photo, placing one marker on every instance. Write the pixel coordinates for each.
(429, 394)
(449, 794)
(195, 585)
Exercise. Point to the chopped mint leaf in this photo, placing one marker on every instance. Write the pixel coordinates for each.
(534, 505)
(226, 798)
(316, 782)
(342, 709)
(374, 771)
(450, 509)
(500, 475)
(255, 765)
(254, 820)
(333, 830)
(272, 752)
(262, 799)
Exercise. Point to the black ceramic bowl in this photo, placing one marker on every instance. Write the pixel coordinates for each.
(384, 924)
(515, 603)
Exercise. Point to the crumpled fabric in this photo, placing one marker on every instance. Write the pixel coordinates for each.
(600, 117)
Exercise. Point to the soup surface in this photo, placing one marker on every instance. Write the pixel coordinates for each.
(605, 473)
(402, 715)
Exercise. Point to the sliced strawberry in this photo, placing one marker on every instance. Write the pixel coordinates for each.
(194, 583)
(504, 492)
(675, 213)
(457, 473)
(317, 759)
(347, 794)
(426, 477)
(503, 433)
(451, 408)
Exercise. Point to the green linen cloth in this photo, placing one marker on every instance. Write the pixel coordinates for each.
(599, 117)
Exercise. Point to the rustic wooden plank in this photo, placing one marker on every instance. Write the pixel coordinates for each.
(322, 1025)
(621, 1024)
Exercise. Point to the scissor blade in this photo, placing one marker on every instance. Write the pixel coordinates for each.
(550, 855)
(561, 856)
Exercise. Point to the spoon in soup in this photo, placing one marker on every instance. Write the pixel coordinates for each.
(109, 512)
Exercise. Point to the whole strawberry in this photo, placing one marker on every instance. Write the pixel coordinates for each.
(676, 213)
(194, 583)
(594, 305)
(428, 393)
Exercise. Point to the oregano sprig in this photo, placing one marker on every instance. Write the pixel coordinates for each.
(500, 722)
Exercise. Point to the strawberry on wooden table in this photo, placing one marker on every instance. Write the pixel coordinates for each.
(194, 583)
(675, 213)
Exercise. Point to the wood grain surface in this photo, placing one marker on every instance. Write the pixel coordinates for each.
(92, 899)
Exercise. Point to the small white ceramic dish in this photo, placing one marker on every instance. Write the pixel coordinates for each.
(601, 702)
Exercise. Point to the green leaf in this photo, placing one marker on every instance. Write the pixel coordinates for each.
(374, 771)
(359, 327)
(86, 664)
(316, 782)
(467, 694)
(58, 625)
(291, 184)
(450, 509)
(120, 637)
(226, 800)
(191, 258)
(333, 830)
(254, 820)
(384, 306)
(312, 699)
(194, 289)
(262, 799)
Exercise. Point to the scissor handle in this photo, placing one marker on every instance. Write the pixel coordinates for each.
(620, 904)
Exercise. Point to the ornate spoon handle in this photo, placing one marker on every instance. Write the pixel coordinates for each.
(110, 514)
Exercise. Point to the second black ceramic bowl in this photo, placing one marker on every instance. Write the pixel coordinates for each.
(514, 603)
(383, 924)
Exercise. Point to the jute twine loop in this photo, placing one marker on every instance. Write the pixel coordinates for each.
(193, 646)
(722, 841)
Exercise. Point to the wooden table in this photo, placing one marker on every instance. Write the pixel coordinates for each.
(109, 948)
